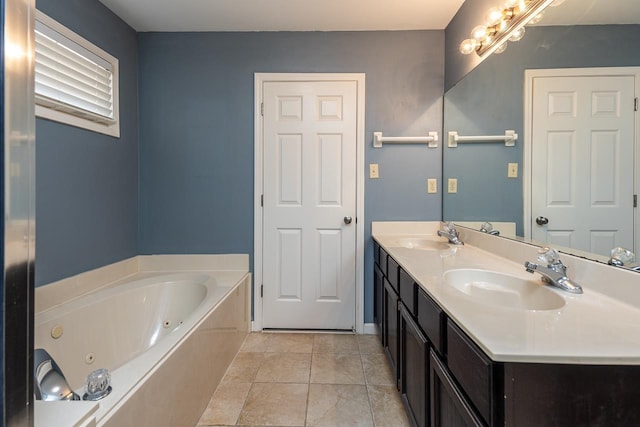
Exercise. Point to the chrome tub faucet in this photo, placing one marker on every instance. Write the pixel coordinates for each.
(553, 271)
(449, 231)
(50, 383)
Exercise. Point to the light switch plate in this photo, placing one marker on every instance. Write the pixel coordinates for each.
(374, 172)
(432, 185)
(512, 170)
(452, 185)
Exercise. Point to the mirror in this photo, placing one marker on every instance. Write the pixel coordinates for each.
(491, 99)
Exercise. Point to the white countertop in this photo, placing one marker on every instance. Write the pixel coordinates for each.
(591, 328)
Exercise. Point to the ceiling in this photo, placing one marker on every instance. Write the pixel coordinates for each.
(284, 15)
(339, 15)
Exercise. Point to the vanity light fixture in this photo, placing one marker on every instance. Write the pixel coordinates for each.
(502, 24)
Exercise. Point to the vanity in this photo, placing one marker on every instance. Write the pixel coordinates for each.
(475, 340)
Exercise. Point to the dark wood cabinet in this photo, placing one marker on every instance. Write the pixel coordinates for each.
(477, 375)
(407, 291)
(548, 395)
(447, 380)
(414, 354)
(391, 328)
(378, 284)
(431, 320)
(449, 407)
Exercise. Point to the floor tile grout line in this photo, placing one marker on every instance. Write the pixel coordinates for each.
(246, 398)
(315, 346)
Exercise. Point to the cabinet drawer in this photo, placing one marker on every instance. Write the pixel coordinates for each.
(474, 371)
(430, 319)
(408, 291)
(392, 273)
(382, 260)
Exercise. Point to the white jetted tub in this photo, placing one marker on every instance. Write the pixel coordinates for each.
(166, 337)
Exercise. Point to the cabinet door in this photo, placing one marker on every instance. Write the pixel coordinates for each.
(476, 374)
(391, 327)
(414, 353)
(377, 300)
(449, 407)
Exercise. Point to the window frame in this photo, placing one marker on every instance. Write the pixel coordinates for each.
(51, 110)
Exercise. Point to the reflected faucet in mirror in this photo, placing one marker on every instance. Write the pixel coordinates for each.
(487, 227)
(553, 271)
(621, 257)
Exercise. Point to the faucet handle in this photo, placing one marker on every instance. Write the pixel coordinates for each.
(486, 227)
(621, 256)
(548, 255)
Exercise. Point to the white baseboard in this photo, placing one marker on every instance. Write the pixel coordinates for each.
(370, 329)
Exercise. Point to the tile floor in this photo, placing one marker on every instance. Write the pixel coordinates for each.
(291, 379)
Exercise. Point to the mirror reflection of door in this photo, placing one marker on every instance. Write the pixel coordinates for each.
(582, 160)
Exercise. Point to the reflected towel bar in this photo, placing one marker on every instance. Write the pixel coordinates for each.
(510, 137)
(432, 139)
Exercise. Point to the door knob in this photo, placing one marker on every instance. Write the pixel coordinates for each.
(542, 220)
(347, 220)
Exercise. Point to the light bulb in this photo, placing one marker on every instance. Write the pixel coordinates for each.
(501, 48)
(517, 34)
(494, 16)
(468, 46)
(479, 33)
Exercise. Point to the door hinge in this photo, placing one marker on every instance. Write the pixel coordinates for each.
(261, 291)
(635, 104)
(262, 200)
(262, 108)
(635, 200)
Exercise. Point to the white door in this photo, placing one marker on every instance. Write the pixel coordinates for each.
(583, 162)
(309, 208)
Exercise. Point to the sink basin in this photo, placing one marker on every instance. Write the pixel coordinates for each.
(503, 290)
(420, 243)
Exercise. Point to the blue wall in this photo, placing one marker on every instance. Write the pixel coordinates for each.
(87, 183)
(197, 137)
(470, 14)
(490, 99)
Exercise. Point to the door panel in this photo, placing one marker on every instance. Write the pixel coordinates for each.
(309, 252)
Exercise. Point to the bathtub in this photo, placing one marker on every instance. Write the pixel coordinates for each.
(167, 339)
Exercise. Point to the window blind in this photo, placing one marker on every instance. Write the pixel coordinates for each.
(70, 78)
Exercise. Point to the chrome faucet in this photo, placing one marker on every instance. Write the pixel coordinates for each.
(50, 383)
(449, 231)
(555, 272)
(621, 257)
(487, 227)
